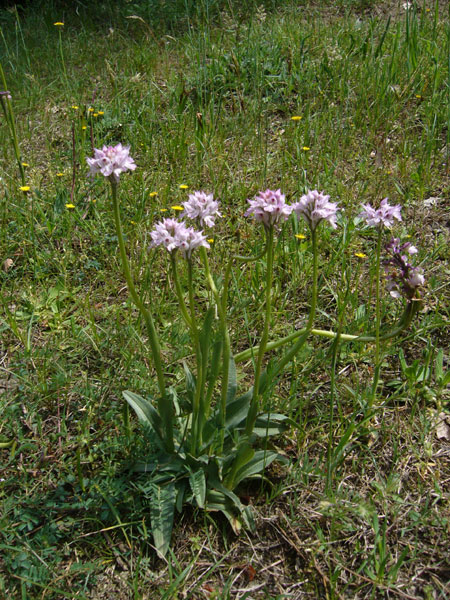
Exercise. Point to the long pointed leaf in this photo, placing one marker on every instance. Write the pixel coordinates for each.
(162, 506)
(232, 381)
(236, 411)
(257, 464)
(145, 412)
(197, 482)
(190, 382)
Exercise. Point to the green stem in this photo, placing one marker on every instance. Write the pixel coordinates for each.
(179, 291)
(376, 375)
(252, 413)
(221, 309)
(164, 404)
(197, 416)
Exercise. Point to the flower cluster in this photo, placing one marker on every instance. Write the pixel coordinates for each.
(403, 278)
(315, 207)
(175, 235)
(111, 161)
(201, 207)
(269, 208)
(384, 215)
(6, 94)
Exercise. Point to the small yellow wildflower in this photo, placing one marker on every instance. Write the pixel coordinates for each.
(69, 205)
(176, 207)
(101, 112)
(153, 194)
(210, 240)
(75, 107)
(83, 127)
(59, 174)
(133, 222)
(58, 24)
(25, 165)
(296, 118)
(360, 255)
(90, 109)
(418, 96)
(95, 115)
(163, 209)
(24, 188)
(300, 236)
(183, 186)
(306, 148)
(388, 172)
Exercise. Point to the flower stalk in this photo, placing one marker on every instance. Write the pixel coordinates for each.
(254, 404)
(164, 404)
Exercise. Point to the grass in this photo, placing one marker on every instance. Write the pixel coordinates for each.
(204, 95)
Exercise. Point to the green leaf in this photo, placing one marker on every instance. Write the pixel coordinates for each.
(232, 381)
(272, 424)
(205, 335)
(214, 365)
(162, 506)
(191, 383)
(197, 482)
(145, 412)
(439, 365)
(244, 454)
(257, 464)
(236, 411)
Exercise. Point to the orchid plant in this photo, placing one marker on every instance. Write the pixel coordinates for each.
(209, 441)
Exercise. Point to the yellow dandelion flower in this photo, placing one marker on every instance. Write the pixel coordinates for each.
(176, 207)
(360, 255)
(58, 24)
(69, 205)
(101, 112)
(306, 148)
(296, 118)
(153, 194)
(95, 115)
(300, 236)
(90, 109)
(183, 186)
(418, 96)
(24, 188)
(59, 174)
(75, 107)
(210, 240)
(25, 165)
(163, 209)
(83, 127)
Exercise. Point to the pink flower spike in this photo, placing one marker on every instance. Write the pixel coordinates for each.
(174, 235)
(201, 207)
(269, 208)
(315, 207)
(383, 216)
(111, 161)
